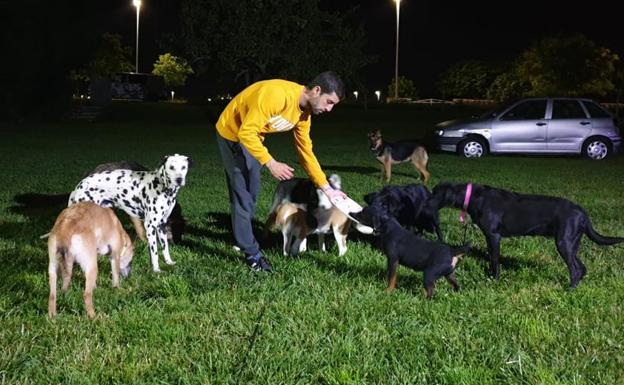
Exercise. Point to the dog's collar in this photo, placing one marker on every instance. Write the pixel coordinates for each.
(462, 215)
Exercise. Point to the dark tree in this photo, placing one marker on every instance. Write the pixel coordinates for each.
(568, 66)
(248, 40)
(468, 79)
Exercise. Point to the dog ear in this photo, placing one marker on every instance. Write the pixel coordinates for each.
(335, 181)
(378, 132)
(163, 161)
(190, 161)
(370, 197)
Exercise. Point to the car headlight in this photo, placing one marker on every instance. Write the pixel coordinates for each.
(440, 132)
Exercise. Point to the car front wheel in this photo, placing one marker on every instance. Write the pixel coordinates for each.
(472, 148)
(597, 148)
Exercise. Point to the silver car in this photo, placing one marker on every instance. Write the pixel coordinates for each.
(535, 126)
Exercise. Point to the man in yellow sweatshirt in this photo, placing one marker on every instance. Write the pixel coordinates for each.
(268, 107)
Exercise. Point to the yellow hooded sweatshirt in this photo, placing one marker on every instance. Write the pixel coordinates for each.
(267, 107)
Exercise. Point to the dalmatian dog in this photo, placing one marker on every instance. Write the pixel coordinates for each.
(146, 195)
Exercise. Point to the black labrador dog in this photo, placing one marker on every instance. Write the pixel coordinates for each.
(500, 213)
(410, 206)
(434, 259)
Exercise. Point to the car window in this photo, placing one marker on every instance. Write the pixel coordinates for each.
(568, 109)
(595, 111)
(495, 111)
(529, 110)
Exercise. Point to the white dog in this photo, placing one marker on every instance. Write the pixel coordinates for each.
(144, 195)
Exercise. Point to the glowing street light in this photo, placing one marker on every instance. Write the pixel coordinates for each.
(355, 93)
(396, 65)
(137, 4)
(378, 94)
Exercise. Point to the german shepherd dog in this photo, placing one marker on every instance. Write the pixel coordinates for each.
(392, 153)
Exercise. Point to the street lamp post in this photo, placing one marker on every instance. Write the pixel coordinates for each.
(396, 61)
(137, 4)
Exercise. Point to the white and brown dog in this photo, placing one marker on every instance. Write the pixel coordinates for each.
(291, 220)
(147, 196)
(81, 233)
(300, 209)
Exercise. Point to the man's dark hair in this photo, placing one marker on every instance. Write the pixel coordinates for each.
(329, 81)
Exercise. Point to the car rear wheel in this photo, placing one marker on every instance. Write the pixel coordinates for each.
(472, 148)
(596, 148)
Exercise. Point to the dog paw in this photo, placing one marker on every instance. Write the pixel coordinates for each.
(170, 262)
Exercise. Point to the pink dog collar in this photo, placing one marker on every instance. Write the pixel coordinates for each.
(462, 215)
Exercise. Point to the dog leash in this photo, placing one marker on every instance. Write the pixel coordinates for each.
(462, 214)
(254, 335)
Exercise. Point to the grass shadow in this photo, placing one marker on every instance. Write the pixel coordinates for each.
(506, 262)
(366, 170)
(37, 206)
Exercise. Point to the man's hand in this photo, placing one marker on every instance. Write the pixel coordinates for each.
(331, 193)
(280, 171)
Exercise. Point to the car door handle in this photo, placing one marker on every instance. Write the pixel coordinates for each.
(584, 123)
(540, 124)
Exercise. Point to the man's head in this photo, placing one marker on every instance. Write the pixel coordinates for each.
(325, 91)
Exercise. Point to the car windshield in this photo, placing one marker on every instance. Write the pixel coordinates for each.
(495, 111)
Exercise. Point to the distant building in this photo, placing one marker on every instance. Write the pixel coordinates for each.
(128, 86)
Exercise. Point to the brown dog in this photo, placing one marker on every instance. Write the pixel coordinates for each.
(81, 233)
(392, 153)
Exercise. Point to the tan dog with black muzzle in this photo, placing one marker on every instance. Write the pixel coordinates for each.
(81, 233)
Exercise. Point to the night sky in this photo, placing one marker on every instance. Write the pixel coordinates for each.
(433, 35)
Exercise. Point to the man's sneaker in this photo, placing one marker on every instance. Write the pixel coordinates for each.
(258, 263)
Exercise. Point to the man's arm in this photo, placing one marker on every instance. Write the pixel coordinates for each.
(306, 156)
(310, 163)
(260, 110)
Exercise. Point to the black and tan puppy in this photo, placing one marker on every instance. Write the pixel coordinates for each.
(500, 213)
(434, 259)
(409, 204)
(399, 152)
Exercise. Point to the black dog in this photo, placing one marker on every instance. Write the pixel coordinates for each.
(399, 152)
(410, 206)
(175, 224)
(500, 213)
(434, 259)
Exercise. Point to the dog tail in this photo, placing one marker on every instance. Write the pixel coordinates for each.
(44, 236)
(458, 252)
(269, 224)
(277, 199)
(598, 238)
(461, 250)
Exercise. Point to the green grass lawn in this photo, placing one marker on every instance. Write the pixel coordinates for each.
(319, 318)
